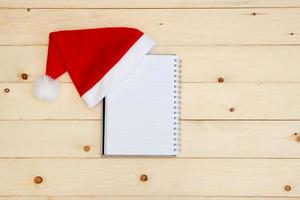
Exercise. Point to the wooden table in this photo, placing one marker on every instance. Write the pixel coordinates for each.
(240, 103)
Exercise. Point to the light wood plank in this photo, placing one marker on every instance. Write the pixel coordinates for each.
(165, 26)
(50, 138)
(199, 101)
(16, 60)
(20, 103)
(244, 139)
(200, 63)
(238, 139)
(147, 4)
(237, 64)
(146, 198)
(209, 177)
(249, 101)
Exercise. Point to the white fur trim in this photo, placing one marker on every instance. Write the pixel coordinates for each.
(45, 88)
(119, 71)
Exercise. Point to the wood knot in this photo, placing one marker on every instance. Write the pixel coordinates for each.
(144, 178)
(287, 188)
(292, 33)
(297, 137)
(254, 13)
(231, 109)
(6, 90)
(220, 79)
(24, 76)
(28, 9)
(38, 179)
(86, 148)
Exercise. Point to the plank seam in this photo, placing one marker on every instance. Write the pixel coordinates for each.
(212, 196)
(152, 8)
(181, 120)
(176, 45)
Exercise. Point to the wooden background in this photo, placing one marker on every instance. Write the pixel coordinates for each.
(250, 153)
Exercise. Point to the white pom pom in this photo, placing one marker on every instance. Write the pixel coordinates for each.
(45, 88)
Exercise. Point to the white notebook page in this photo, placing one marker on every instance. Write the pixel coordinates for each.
(141, 114)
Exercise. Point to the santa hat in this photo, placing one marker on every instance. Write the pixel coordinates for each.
(97, 60)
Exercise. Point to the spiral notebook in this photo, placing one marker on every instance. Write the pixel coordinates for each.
(141, 115)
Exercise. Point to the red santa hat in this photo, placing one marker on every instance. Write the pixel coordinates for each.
(97, 60)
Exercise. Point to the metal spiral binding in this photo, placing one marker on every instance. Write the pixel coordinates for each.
(176, 128)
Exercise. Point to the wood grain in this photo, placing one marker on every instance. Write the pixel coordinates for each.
(249, 101)
(147, 4)
(209, 177)
(240, 139)
(199, 102)
(236, 64)
(50, 138)
(145, 198)
(165, 26)
(199, 139)
(20, 104)
(251, 153)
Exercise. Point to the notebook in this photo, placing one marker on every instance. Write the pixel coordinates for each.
(141, 115)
